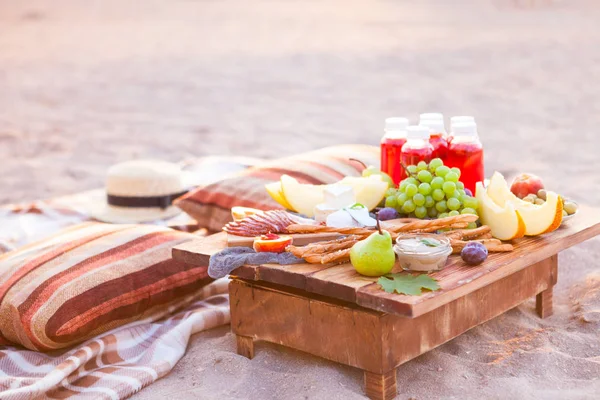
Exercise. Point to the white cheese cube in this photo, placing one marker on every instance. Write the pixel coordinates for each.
(338, 196)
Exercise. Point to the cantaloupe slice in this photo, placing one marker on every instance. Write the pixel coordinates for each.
(274, 189)
(368, 191)
(504, 221)
(238, 213)
(302, 198)
(538, 219)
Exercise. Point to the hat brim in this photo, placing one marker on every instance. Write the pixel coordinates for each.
(101, 211)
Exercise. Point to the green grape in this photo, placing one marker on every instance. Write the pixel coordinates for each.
(429, 201)
(453, 213)
(442, 171)
(468, 210)
(412, 169)
(419, 199)
(443, 215)
(424, 188)
(456, 195)
(437, 194)
(411, 190)
(460, 185)
(453, 204)
(471, 202)
(472, 225)
(432, 212)
(403, 185)
(424, 176)
(462, 192)
(437, 182)
(433, 164)
(456, 170)
(391, 202)
(411, 215)
(422, 165)
(402, 197)
(441, 206)
(451, 177)
(408, 206)
(390, 192)
(449, 187)
(412, 181)
(420, 212)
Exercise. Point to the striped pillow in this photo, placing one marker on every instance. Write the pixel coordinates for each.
(89, 279)
(212, 204)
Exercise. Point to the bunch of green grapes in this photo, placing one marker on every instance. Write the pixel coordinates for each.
(431, 191)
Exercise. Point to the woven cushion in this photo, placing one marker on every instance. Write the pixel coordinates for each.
(212, 203)
(89, 279)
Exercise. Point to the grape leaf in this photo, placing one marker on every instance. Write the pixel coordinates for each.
(407, 284)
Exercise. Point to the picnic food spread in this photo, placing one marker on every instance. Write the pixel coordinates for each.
(388, 265)
(427, 202)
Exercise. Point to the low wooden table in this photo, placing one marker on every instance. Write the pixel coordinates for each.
(333, 312)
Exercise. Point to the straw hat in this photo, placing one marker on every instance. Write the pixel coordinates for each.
(140, 191)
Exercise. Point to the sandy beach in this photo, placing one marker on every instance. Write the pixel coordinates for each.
(86, 84)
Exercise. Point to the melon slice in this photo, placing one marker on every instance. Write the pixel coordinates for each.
(369, 191)
(504, 221)
(274, 189)
(302, 198)
(239, 213)
(538, 219)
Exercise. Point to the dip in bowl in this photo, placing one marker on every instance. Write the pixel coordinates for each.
(422, 251)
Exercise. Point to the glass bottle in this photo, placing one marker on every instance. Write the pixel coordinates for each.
(466, 153)
(391, 146)
(417, 147)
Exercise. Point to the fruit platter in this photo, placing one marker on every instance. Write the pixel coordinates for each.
(383, 267)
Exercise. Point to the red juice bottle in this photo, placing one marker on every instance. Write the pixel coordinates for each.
(466, 153)
(391, 146)
(437, 133)
(457, 120)
(417, 147)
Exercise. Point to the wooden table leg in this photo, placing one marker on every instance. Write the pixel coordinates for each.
(543, 300)
(245, 346)
(381, 386)
(543, 303)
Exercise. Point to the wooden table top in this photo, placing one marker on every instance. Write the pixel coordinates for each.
(342, 282)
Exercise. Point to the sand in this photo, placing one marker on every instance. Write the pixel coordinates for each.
(86, 84)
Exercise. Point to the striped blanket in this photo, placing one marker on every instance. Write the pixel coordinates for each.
(116, 364)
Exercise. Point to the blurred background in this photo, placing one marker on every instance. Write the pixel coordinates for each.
(84, 84)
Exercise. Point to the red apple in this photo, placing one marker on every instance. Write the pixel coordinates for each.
(271, 243)
(525, 184)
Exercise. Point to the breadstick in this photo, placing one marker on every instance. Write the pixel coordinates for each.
(296, 228)
(337, 256)
(324, 247)
(468, 234)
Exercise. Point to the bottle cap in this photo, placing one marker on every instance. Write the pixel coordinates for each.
(465, 129)
(396, 124)
(434, 125)
(417, 132)
(460, 119)
(427, 116)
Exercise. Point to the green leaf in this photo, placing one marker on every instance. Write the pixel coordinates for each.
(407, 284)
(430, 242)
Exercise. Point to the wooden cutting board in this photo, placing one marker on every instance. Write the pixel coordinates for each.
(299, 239)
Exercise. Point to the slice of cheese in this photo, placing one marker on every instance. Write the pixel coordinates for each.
(338, 196)
(322, 212)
